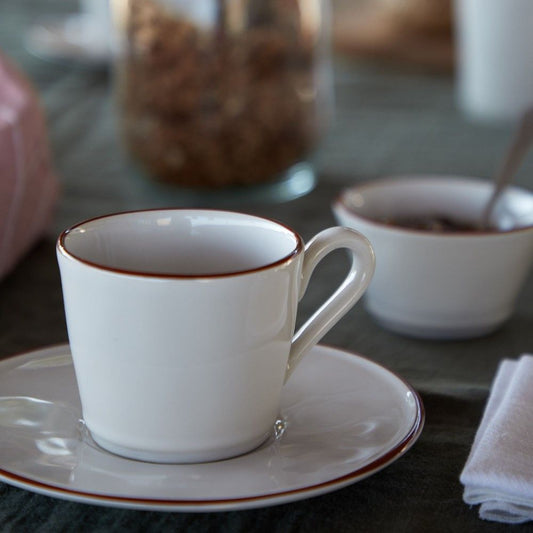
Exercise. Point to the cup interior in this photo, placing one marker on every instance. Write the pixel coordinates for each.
(179, 242)
(461, 198)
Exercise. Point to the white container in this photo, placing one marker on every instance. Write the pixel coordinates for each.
(494, 57)
(441, 285)
(181, 325)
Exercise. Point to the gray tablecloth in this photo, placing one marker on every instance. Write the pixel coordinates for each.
(388, 121)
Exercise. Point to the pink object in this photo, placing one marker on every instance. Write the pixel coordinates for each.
(28, 185)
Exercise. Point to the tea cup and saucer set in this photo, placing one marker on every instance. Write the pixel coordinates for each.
(184, 386)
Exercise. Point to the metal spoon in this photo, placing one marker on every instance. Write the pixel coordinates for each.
(518, 149)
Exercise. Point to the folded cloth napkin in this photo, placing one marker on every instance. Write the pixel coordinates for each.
(498, 473)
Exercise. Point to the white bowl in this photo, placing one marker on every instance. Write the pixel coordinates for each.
(441, 285)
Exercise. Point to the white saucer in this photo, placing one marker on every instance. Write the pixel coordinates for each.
(74, 38)
(346, 418)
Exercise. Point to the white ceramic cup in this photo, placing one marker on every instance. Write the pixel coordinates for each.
(181, 325)
(494, 57)
(441, 285)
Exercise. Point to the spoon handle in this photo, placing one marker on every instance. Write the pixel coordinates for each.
(517, 151)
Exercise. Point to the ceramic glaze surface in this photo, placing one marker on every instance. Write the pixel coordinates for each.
(192, 313)
(344, 418)
(441, 285)
(182, 242)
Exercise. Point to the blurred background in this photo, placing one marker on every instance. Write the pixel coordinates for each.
(343, 92)
(393, 103)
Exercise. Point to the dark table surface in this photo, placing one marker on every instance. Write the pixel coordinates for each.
(388, 121)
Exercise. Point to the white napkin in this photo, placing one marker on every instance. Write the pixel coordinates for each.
(499, 470)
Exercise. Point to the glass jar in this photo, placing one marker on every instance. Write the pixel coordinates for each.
(218, 93)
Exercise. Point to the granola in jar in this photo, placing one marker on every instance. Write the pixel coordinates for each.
(220, 93)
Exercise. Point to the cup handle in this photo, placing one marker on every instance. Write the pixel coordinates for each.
(344, 298)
